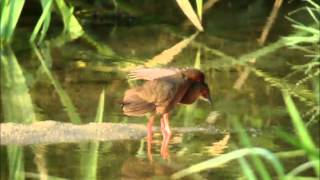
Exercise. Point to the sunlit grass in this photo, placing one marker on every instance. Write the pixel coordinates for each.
(190, 13)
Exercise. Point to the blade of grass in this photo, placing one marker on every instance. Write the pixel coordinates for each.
(16, 162)
(245, 141)
(308, 29)
(4, 19)
(300, 92)
(32, 175)
(10, 15)
(102, 48)
(167, 55)
(99, 114)
(45, 14)
(64, 98)
(313, 16)
(247, 170)
(189, 12)
(71, 24)
(16, 99)
(46, 23)
(17, 106)
(312, 3)
(302, 167)
(300, 128)
(302, 178)
(225, 158)
(293, 140)
(199, 9)
(197, 62)
(291, 154)
(90, 157)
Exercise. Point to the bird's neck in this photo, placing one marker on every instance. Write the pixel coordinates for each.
(191, 95)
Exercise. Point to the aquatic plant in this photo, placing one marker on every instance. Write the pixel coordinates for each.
(307, 40)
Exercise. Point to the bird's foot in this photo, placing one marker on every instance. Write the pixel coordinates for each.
(165, 147)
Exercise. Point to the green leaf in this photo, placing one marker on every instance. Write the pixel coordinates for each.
(225, 158)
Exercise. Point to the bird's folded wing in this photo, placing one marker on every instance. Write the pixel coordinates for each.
(152, 73)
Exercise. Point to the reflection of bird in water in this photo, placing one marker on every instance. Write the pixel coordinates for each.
(135, 168)
(164, 89)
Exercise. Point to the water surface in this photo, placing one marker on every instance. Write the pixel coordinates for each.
(81, 72)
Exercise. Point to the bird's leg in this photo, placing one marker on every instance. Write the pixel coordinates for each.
(166, 124)
(162, 127)
(166, 132)
(149, 136)
(165, 147)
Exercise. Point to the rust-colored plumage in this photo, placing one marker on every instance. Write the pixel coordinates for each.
(164, 89)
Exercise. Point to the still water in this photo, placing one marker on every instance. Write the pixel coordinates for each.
(77, 72)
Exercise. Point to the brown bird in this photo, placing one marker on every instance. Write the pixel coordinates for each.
(164, 89)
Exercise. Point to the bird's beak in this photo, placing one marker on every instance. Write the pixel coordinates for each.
(208, 99)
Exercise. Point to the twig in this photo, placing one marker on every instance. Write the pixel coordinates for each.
(266, 29)
(208, 5)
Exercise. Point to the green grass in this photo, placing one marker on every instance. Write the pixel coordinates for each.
(10, 14)
(234, 155)
(12, 76)
(308, 149)
(64, 97)
(43, 22)
(90, 155)
(306, 34)
(17, 107)
(302, 132)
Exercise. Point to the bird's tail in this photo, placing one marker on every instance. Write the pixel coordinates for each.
(133, 105)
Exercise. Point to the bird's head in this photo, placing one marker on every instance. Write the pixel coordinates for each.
(205, 93)
(194, 75)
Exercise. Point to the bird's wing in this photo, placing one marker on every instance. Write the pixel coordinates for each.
(165, 92)
(152, 73)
